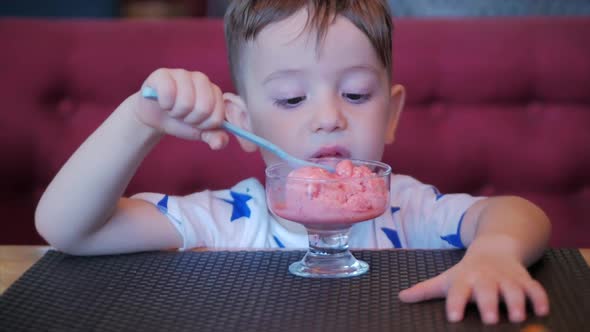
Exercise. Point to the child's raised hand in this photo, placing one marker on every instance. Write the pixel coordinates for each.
(189, 106)
(483, 278)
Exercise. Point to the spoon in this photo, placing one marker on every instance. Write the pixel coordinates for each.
(149, 93)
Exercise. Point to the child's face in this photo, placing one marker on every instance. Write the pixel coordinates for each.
(335, 100)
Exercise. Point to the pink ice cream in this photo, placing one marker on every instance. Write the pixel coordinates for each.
(318, 198)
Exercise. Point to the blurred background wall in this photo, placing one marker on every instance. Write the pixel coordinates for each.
(216, 8)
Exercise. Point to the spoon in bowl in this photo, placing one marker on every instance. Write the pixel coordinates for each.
(149, 93)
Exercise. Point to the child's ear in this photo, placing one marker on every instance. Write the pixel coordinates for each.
(396, 105)
(237, 114)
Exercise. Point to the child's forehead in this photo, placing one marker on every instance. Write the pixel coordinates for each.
(298, 30)
(292, 47)
(294, 26)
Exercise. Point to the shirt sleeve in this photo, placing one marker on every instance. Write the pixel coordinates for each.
(429, 219)
(233, 218)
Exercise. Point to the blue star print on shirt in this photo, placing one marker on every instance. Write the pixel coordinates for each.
(455, 239)
(391, 233)
(163, 204)
(240, 208)
(437, 193)
(279, 243)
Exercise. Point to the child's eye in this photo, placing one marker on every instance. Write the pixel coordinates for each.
(356, 98)
(290, 102)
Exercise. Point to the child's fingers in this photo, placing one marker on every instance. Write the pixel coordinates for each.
(216, 139)
(185, 94)
(425, 290)
(180, 129)
(218, 113)
(163, 83)
(457, 298)
(514, 298)
(486, 296)
(535, 291)
(204, 101)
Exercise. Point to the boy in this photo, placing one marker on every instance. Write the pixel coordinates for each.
(314, 77)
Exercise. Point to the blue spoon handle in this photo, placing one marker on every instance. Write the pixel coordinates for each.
(150, 93)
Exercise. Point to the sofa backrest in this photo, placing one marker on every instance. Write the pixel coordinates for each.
(494, 107)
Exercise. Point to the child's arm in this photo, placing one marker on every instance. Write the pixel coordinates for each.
(503, 235)
(82, 211)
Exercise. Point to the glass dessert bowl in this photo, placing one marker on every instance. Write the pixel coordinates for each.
(328, 204)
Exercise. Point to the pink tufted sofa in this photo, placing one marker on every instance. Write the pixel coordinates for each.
(494, 107)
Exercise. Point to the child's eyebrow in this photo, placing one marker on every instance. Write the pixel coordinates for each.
(370, 68)
(294, 72)
(281, 73)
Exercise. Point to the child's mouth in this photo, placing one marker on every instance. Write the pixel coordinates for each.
(332, 152)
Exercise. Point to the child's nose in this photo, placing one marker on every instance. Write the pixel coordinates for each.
(328, 117)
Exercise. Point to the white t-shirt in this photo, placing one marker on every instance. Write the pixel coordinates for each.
(419, 217)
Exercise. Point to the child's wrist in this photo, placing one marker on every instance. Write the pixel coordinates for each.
(496, 244)
(129, 108)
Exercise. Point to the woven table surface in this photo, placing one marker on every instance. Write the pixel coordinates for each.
(253, 291)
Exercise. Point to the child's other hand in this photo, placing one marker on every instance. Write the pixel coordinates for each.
(483, 278)
(189, 106)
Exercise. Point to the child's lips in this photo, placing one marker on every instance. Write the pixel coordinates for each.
(332, 151)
